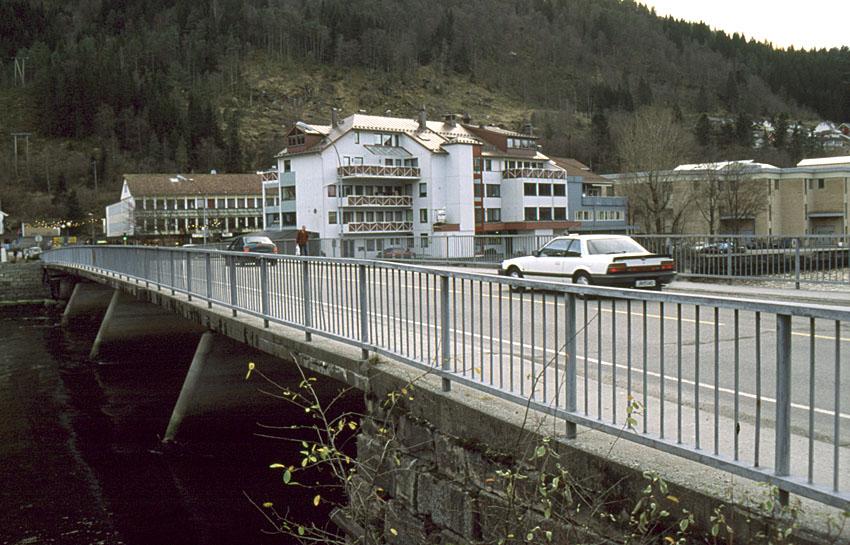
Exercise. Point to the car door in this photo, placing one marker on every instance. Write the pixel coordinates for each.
(572, 259)
(549, 261)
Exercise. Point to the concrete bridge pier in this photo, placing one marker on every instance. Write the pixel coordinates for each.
(130, 324)
(216, 384)
(87, 299)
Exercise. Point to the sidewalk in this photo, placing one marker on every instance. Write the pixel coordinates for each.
(818, 297)
(835, 297)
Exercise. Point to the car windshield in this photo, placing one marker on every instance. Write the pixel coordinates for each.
(614, 246)
(257, 240)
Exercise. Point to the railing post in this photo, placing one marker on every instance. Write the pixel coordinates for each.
(189, 275)
(264, 290)
(571, 382)
(782, 466)
(233, 291)
(208, 259)
(146, 267)
(729, 259)
(156, 256)
(797, 263)
(445, 328)
(171, 261)
(305, 290)
(364, 309)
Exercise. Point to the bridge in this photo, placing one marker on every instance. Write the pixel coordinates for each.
(740, 388)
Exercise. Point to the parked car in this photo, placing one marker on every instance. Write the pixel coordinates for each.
(250, 244)
(396, 253)
(604, 260)
(719, 247)
(32, 253)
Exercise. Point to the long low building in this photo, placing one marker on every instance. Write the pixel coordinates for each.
(811, 198)
(186, 206)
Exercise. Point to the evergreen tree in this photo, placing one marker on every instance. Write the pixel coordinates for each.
(602, 143)
(702, 131)
(644, 93)
(233, 149)
(780, 131)
(744, 130)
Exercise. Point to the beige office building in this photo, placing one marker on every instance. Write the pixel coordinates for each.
(810, 198)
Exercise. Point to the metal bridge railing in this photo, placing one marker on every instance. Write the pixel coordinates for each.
(815, 259)
(753, 388)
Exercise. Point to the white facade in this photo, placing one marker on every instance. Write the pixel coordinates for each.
(2, 221)
(401, 182)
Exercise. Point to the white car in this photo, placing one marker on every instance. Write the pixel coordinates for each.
(604, 260)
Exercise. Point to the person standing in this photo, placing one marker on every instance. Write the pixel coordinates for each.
(301, 240)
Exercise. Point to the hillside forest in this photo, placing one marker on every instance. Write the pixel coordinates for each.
(108, 87)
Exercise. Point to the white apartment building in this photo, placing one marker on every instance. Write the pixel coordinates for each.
(369, 182)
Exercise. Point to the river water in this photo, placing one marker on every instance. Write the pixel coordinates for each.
(80, 455)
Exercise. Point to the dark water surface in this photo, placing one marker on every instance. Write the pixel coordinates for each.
(81, 460)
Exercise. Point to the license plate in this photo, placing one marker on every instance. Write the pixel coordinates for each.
(644, 283)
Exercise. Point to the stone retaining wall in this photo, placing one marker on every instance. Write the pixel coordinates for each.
(22, 282)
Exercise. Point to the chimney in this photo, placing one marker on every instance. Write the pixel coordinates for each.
(528, 129)
(423, 118)
(449, 119)
(334, 117)
(467, 119)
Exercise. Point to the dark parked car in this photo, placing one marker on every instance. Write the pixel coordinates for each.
(250, 244)
(396, 253)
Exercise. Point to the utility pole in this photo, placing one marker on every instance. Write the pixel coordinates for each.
(19, 70)
(26, 137)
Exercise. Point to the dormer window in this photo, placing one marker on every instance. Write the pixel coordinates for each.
(521, 143)
(296, 139)
(385, 139)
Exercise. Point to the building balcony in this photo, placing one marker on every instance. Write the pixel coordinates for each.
(377, 227)
(603, 201)
(272, 178)
(377, 171)
(537, 173)
(378, 201)
(162, 213)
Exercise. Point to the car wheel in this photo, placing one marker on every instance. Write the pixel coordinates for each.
(582, 279)
(514, 272)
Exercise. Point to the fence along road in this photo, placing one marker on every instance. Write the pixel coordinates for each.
(814, 259)
(750, 387)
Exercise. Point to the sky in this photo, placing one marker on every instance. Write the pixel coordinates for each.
(802, 23)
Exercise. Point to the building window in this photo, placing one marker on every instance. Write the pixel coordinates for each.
(423, 240)
(545, 214)
(332, 217)
(296, 139)
(423, 215)
(331, 191)
(529, 190)
(385, 139)
(479, 215)
(530, 214)
(476, 164)
(560, 213)
(494, 215)
(488, 165)
(356, 137)
(776, 184)
(476, 190)
(287, 165)
(544, 190)
(584, 215)
(493, 190)
(821, 183)
(423, 189)
(560, 190)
